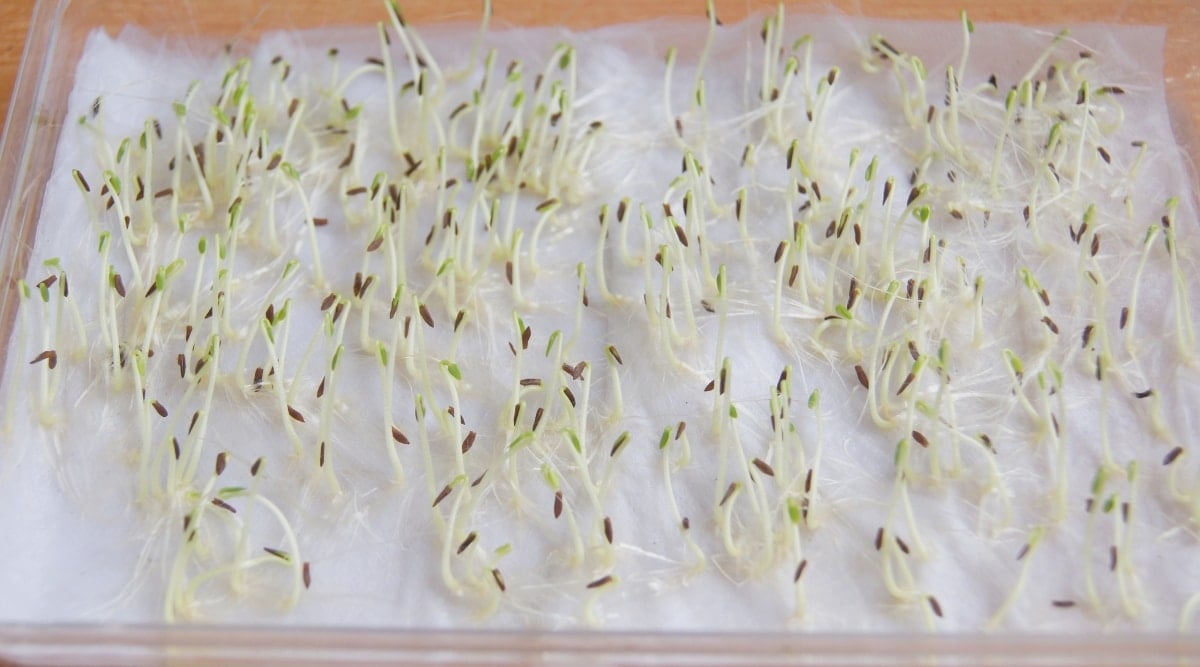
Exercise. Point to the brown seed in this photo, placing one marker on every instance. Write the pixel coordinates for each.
(764, 467)
(499, 579)
(558, 504)
(118, 285)
(224, 505)
(779, 250)
(281, 555)
(425, 315)
(606, 579)
(1023, 552)
(920, 438)
(525, 336)
(612, 351)
(321, 455)
(908, 380)
(879, 539)
(537, 418)
(1172, 456)
(733, 487)
(467, 542)
(902, 544)
(295, 414)
(608, 530)
(679, 234)
(159, 408)
(937, 608)
(531, 382)
(1050, 324)
(49, 356)
(258, 463)
(321, 388)
(82, 181)
(399, 437)
(307, 575)
(220, 465)
(328, 301)
(862, 376)
(1112, 558)
(349, 158)
(1124, 317)
(799, 571)
(1063, 604)
(710, 386)
(375, 243)
(570, 395)
(1087, 334)
(442, 495)
(468, 442)
(808, 479)
(175, 449)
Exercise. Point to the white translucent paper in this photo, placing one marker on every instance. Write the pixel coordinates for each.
(91, 549)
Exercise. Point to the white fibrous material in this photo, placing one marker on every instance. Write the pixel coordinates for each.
(805, 322)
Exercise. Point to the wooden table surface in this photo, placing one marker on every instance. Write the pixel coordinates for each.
(14, 23)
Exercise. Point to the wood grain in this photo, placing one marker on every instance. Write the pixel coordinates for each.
(14, 23)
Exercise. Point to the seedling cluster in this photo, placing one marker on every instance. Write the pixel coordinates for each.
(572, 329)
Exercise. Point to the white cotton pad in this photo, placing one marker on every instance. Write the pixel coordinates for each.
(550, 329)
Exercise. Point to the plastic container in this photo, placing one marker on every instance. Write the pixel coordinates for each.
(35, 118)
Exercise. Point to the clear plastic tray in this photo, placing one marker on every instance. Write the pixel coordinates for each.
(35, 118)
